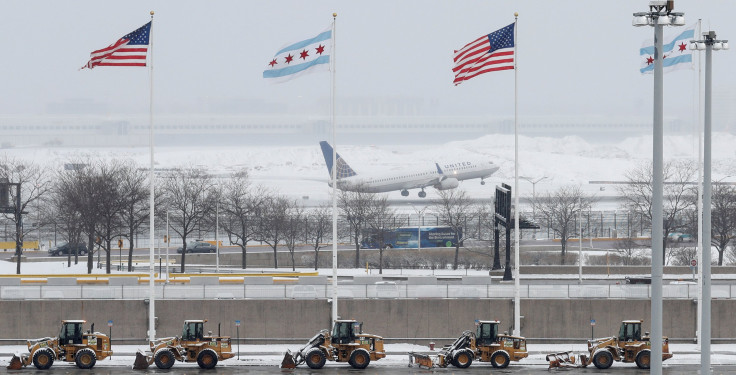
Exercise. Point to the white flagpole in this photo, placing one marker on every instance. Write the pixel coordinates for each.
(151, 266)
(699, 249)
(334, 178)
(517, 297)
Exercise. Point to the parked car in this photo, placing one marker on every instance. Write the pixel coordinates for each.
(198, 247)
(63, 249)
(680, 237)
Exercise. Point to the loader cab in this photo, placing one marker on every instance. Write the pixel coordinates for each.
(344, 331)
(486, 332)
(630, 331)
(193, 330)
(71, 332)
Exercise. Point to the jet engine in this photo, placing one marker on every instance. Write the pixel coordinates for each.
(447, 183)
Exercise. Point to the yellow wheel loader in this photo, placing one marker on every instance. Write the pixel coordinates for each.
(72, 345)
(483, 345)
(346, 343)
(629, 346)
(192, 346)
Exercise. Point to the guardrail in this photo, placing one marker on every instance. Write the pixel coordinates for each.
(379, 290)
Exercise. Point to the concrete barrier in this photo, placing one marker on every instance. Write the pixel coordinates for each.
(61, 281)
(9, 281)
(476, 280)
(391, 318)
(313, 280)
(258, 280)
(117, 281)
(204, 280)
(366, 280)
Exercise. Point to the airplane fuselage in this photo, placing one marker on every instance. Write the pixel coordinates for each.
(419, 178)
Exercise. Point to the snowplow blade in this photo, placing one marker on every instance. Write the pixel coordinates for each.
(562, 359)
(16, 363)
(141, 361)
(288, 361)
(421, 360)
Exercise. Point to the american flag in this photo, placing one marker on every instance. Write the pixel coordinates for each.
(488, 53)
(129, 50)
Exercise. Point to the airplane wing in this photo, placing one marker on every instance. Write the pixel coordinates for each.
(425, 183)
(434, 180)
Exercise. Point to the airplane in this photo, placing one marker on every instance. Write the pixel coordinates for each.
(443, 176)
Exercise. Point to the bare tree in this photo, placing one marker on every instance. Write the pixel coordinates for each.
(356, 207)
(318, 229)
(81, 189)
(274, 223)
(134, 194)
(110, 205)
(723, 218)
(30, 180)
(681, 256)
(67, 219)
(294, 229)
(380, 216)
(454, 209)
(637, 194)
(242, 205)
(189, 195)
(561, 208)
(627, 250)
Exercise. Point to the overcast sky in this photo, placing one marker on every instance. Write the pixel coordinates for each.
(577, 58)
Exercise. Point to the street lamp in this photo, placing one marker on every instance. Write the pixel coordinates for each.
(708, 43)
(420, 222)
(534, 199)
(660, 14)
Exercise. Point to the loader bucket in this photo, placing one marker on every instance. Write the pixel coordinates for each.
(562, 359)
(422, 360)
(16, 363)
(141, 361)
(288, 361)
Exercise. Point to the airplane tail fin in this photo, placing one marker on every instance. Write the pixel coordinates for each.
(343, 169)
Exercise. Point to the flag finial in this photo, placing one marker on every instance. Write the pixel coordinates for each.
(516, 14)
(334, 15)
(152, 13)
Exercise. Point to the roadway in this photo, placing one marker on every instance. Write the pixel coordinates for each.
(100, 369)
(526, 245)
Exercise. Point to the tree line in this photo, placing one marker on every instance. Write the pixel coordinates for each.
(97, 202)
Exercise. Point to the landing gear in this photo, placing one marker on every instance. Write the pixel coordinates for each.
(422, 194)
(482, 182)
(405, 193)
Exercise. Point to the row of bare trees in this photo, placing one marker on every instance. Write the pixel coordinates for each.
(97, 202)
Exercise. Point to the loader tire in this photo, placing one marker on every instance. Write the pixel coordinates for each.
(85, 359)
(463, 358)
(164, 358)
(359, 358)
(207, 359)
(643, 358)
(603, 359)
(43, 359)
(315, 358)
(500, 359)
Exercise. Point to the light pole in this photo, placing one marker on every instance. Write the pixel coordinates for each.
(580, 242)
(534, 199)
(420, 222)
(659, 15)
(708, 43)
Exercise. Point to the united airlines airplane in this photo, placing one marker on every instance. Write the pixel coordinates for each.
(441, 176)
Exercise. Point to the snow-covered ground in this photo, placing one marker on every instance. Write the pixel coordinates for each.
(299, 171)
(59, 267)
